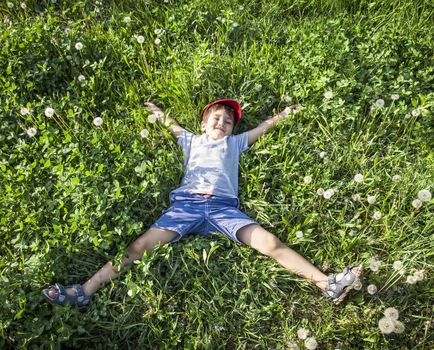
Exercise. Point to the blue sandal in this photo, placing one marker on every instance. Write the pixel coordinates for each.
(78, 300)
(338, 290)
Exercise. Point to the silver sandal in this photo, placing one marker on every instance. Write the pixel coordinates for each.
(79, 299)
(338, 290)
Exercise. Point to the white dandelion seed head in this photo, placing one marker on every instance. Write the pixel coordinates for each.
(323, 154)
(81, 77)
(419, 275)
(358, 178)
(415, 112)
(358, 285)
(78, 46)
(299, 234)
(398, 265)
(424, 195)
(396, 178)
(380, 102)
(371, 199)
(158, 31)
(127, 19)
(49, 112)
(411, 279)
(140, 39)
(356, 197)
(377, 215)
(399, 327)
(373, 260)
(31, 132)
(394, 97)
(328, 194)
(310, 343)
(374, 264)
(10, 5)
(320, 191)
(98, 121)
(287, 98)
(307, 179)
(373, 267)
(157, 41)
(67, 30)
(386, 325)
(24, 111)
(328, 95)
(23, 5)
(391, 313)
(152, 118)
(303, 333)
(372, 289)
(144, 133)
(130, 293)
(417, 203)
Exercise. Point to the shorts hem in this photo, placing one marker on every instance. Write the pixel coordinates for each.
(176, 239)
(235, 238)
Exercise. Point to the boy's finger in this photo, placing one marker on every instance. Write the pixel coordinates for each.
(149, 106)
(286, 111)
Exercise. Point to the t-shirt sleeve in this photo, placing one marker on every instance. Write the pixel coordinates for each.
(184, 140)
(242, 141)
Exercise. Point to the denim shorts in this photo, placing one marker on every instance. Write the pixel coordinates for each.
(194, 213)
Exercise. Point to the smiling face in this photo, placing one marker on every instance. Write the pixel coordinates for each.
(218, 122)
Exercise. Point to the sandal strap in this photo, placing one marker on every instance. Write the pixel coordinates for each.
(80, 299)
(336, 288)
(60, 294)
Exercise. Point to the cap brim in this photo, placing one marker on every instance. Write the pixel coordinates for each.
(227, 102)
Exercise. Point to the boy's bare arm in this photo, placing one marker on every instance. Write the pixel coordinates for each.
(262, 128)
(173, 126)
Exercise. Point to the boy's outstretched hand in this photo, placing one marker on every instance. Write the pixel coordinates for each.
(173, 126)
(288, 110)
(150, 107)
(260, 130)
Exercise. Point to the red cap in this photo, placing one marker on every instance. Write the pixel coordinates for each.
(227, 102)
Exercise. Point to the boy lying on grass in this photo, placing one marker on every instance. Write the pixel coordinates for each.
(207, 201)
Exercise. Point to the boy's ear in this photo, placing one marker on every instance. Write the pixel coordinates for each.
(202, 125)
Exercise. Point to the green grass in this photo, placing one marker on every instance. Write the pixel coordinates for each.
(75, 195)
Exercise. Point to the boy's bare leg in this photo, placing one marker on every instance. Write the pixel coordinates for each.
(268, 244)
(146, 241)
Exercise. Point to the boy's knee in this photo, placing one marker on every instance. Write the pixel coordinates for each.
(271, 245)
(135, 252)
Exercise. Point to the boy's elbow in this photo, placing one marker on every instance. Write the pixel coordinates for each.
(252, 138)
(176, 130)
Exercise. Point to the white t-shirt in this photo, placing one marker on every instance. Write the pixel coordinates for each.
(211, 166)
